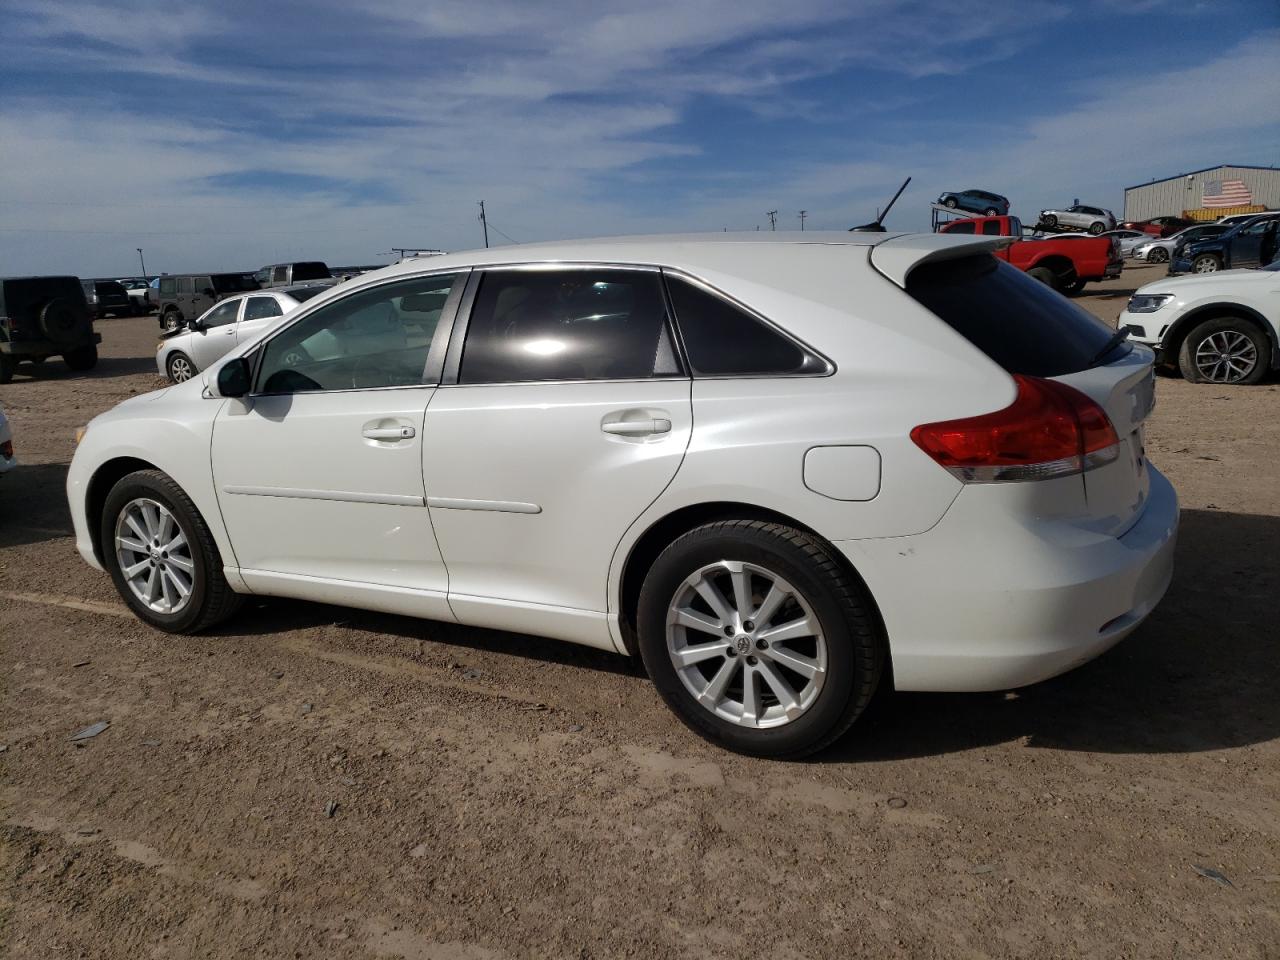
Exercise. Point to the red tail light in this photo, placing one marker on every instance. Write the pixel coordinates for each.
(1050, 430)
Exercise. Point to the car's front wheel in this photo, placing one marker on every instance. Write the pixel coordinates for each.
(1206, 263)
(161, 555)
(991, 212)
(179, 367)
(171, 320)
(1097, 228)
(758, 638)
(1158, 255)
(1050, 221)
(950, 203)
(1225, 350)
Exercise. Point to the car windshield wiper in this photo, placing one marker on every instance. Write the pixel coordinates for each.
(1117, 338)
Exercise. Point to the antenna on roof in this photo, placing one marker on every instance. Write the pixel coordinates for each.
(877, 225)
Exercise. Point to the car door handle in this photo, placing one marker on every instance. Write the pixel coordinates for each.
(388, 433)
(636, 428)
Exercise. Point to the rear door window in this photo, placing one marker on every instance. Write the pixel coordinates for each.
(261, 308)
(581, 324)
(1016, 321)
(723, 340)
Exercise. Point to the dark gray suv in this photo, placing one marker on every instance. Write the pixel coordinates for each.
(42, 317)
(185, 296)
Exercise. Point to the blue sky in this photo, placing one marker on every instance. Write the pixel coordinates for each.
(234, 134)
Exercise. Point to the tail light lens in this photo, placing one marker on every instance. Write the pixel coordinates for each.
(1050, 430)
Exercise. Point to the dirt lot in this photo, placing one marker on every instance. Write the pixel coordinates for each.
(504, 796)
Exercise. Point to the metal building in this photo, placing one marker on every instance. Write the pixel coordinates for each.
(1205, 194)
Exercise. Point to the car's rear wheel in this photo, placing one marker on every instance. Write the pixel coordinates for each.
(950, 203)
(1097, 228)
(1225, 350)
(1206, 263)
(758, 638)
(991, 212)
(1045, 276)
(1158, 255)
(1050, 221)
(161, 555)
(82, 358)
(179, 367)
(1074, 287)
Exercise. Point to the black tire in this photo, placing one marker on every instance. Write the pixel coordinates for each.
(1206, 263)
(176, 359)
(950, 203)
(171, 319)
(1158, 255)
(1050, 221)
(991, 212)
(82, 358)
(1045, 276)
(855, 646)
(6, 368)
(1195, 369)
(1097, 228)
(1074, 288)
(212, 600)
(60, 322)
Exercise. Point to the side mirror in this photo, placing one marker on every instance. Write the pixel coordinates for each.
(234, 378)
(195, 325)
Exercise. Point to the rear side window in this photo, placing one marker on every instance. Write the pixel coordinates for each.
(261, 308)
(991, 228)
(723, 340)
(531, 325)
(310, 270)
(1016, 321)
(960, 226)
(168, 286)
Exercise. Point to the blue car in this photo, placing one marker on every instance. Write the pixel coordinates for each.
(1254, 243)
(976, 201)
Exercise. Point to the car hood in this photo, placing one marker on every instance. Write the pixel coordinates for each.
(1193, 282)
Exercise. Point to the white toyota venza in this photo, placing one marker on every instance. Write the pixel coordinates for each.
(783, 469)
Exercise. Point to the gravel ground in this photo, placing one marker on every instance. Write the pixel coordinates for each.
(310, 781)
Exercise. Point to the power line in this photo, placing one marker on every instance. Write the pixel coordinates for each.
(497, 231)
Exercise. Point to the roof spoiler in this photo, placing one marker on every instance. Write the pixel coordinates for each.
(898, 256)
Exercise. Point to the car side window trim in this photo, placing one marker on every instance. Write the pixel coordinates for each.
(453, 356)
(830, 367)
(431, 373)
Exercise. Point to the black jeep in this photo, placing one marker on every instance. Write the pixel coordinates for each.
(43, 317)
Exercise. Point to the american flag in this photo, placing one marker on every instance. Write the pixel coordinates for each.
(1226, 193)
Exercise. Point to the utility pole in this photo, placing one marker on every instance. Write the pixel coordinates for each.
(485, 225)
(144, 264)
(803, 214)
(773, 219)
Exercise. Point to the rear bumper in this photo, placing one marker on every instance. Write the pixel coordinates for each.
(978, 604)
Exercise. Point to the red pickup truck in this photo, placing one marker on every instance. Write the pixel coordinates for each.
(1064, 263)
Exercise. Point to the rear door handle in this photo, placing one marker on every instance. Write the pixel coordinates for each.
(388, 433)
(636, 428)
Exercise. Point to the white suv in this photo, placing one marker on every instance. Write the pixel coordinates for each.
(1218, 327)
(779, 468)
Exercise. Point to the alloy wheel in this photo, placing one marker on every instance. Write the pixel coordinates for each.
(180, 369)
(1226, 356)
(154, 556)
(746, 644)
(1205, 265)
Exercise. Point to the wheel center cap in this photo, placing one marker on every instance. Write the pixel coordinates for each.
(742, 643)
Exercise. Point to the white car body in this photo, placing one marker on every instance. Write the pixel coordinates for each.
(1081, 216)
(1144, 249)
(1187, 300)
(239, 319)
(7, 458)
(515, 505)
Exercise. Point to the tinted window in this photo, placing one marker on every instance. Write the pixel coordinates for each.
(280, 275)
(991, 228)
(168, 286)
(1016, 321)
(303, 294)
(260, 308)
(184, 284)
(567, 325)
(201, 284)
(961, 226)
(110, 288)
(365, 340)
(233, 282)
(724, 340)
(313, 270)
(222, 314)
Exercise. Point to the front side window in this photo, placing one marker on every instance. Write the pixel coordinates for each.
(202, 284)
(184, 284)
(260, 308)
(991, 228)
(372, 338)
(581, 324)
(222, 314)
(723, 340)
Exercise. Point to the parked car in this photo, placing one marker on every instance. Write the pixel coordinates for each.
(1235, 219)
(42, 317)
(137, 291)
(107, 298)
(293, 274)
(1063, 262)
(777, 515)
(976, 201)
(184, 352)
(1249, 244)
(1161, 251)
(1127, 240)
(8, 460)
(183, 296)
(1093, 220)
(1217, 328)
(1161, 226)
